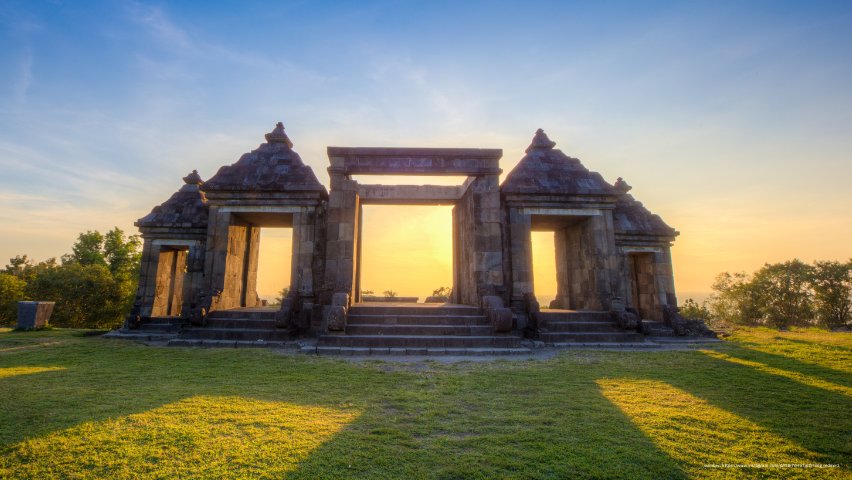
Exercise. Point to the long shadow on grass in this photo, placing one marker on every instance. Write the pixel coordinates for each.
(497, 421)
(812, 417)
(785, 362)
(815, 345)
(102, 380)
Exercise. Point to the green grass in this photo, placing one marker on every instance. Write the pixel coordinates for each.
(80, 407)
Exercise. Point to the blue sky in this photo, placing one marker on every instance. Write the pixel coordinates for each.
(732, 120)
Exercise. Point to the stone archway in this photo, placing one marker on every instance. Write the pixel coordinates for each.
(477, 241)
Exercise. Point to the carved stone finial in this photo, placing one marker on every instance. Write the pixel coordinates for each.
(278, 136)
(193, 178)
(541, 141)
(621, 186)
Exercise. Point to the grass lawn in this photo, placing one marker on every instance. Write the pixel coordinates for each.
(74, 406)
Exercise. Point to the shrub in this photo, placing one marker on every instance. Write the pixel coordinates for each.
(11, 292)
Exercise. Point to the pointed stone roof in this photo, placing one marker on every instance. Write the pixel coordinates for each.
(186, 208)
(545, 170)
(630, 217)
(272, 167)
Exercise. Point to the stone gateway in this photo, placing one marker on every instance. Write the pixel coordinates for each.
(200, 254)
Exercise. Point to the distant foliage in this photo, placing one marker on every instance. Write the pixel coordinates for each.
(692, 310)
(389, 294)
(783, 294)
(11, 292)
(93, 287)
(442, 292)
(832, 282)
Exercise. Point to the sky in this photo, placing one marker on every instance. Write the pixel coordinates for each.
(731, 120)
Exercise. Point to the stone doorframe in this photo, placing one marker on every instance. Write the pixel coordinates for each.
(233, 244)
(587, 260)
(477, 242)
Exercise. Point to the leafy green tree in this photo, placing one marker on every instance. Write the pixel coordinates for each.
(11, 292)
(121, 253)
(86, 296)
(832, 287)
(23, 267)
(735, 299)
(785, 290)
(87, 250)
(691, 309)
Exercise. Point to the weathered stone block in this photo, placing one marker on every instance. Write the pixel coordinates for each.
(32, 315)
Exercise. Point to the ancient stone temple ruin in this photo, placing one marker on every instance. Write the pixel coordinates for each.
(197, 284)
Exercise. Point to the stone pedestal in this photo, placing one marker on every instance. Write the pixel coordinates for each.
(32, 315)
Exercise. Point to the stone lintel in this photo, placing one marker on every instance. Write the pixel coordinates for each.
(174, 242)
(566, 212)
(414, 161)
(410, 194)
(638, 249)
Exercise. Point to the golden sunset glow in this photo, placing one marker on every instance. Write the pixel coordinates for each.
(407, 249)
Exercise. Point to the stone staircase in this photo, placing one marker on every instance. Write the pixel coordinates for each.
(244, 327)
(419, 329)
(581, 328)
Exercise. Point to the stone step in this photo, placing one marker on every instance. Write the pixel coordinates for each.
(657, 329)
(247, 314)
(590, 337)
(233, 334)
(463, 310)
(575, 316)
(583, 327)
(240, 323)
(423, 319)
(207, 343)
(419, 341)
(408, 329)
(359, 351)
(158, 327)
(141, 336)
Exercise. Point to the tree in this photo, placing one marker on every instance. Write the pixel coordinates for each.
(442, 292)
(735, 299)
(23, 267)
(86, 296)
(785, 292)
(121, 254)
(11, 292)
(87, 250)
(692, 310)
(282, 295)
(389, 294)
(832, 287)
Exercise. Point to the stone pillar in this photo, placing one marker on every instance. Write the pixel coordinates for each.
(194, 279)
(164, 282)
(664, 277)
(521, 257)
(606, 259)
(341, 239)
(216, 251)
(252, 250)
(563, 269)
(147, 277)
(487, 237)
(178, 275)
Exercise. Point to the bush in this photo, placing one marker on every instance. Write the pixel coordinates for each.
(832, 284)
(11, 292)
(86, 296)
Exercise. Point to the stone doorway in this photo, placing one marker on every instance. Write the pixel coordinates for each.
(168, 292)
(405, 248)
(242, 256)
(576, 260)
(642, 284)
(477, 241)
